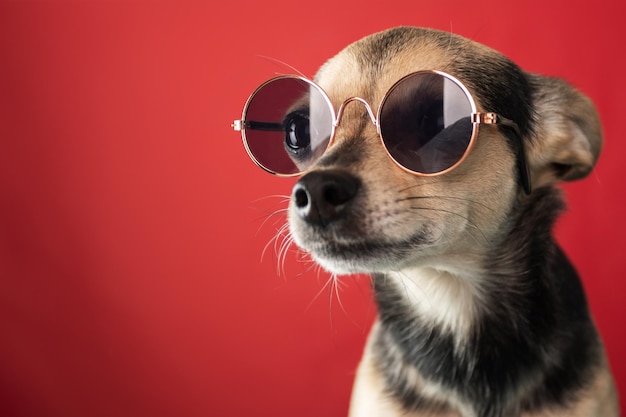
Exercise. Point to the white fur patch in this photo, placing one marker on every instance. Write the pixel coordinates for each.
(450, 297)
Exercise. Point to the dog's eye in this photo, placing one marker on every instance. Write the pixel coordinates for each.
(297, 133)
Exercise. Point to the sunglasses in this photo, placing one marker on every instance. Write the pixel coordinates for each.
(427, 121)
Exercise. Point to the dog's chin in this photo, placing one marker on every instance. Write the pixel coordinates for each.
(366, 256)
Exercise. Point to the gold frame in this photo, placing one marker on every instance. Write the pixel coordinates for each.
(477, 118)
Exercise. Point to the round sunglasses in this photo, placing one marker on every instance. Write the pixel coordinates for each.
(427, 121)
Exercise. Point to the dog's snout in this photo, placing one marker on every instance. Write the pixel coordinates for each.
(321, 196)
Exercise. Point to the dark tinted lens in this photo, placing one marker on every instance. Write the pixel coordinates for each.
(288, 124)
(425, 122)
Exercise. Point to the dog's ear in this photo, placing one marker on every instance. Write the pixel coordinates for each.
(568, 135)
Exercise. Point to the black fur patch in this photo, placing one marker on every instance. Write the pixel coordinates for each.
(535, 340)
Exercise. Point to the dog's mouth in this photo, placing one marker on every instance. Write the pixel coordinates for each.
(330, 219)
(361, 255)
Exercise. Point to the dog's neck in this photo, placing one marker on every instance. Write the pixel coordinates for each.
(454, 291)
(469, 320)
(450, 296)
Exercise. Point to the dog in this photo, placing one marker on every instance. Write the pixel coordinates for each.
(480, 313)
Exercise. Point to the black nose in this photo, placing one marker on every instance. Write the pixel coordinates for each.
(321, 196)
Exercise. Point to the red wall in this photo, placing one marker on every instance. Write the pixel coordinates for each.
(132, 223)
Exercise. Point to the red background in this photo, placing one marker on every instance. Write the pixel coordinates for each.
(132, 222)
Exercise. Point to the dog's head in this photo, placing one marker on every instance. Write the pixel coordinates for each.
(356, 210)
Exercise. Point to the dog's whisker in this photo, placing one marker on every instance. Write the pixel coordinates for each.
(283, 248)
(419, 185)
(468, 220)
(280, 232)
(445, 197)
(280, 242)
(283, 63)
(337, 283)
(319, 293)
(284, 198)
(271, 242)
(333, 285)
(271, 214)
(278, 215)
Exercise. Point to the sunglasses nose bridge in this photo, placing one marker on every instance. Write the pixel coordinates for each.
(368, 108)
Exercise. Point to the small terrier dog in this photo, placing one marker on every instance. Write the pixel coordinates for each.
(431, 162)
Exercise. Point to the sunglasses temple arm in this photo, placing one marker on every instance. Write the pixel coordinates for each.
(523, 167)
(521, 154)
(239, 125)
